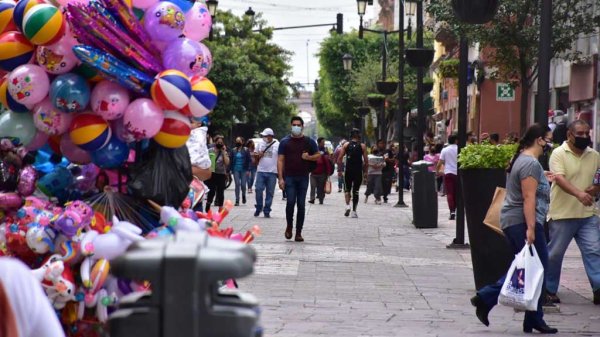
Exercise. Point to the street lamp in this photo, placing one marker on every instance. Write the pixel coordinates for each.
(347, 59)
(362, 7)
(212, 7)
(250, 12)
(411, 8)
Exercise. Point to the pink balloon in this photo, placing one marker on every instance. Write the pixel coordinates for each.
(50, 120)
(206, 62)
(73, 152)
(164, 21)
(57, 58)
(143, 118)
(119, 130)
(28, 84)
(66, 2)
(38, 141)
(143, 4)
(27, 178)
(197, 22)
(109, 100)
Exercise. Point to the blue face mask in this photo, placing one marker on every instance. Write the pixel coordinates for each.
(296, 130)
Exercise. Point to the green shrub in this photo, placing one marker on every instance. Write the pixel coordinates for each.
(486, 156)
(449, 68)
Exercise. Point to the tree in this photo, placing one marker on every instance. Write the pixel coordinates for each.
(511, 39)
(251, 75)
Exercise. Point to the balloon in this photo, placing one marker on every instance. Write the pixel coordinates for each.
(22, 7)
(10, 201)
(175, 130)
(206, 64)
(171, 90)
(72, 152)
(6, 99)
(197, 22)
(55, 183)
(90, 132)
(50, 120)
(17, 125)
(109, 100)
(185, 55)
(57, 58)
(27, 178)
(28, 84)
(15, 50)
(204, 97)
(86, 179)
(66, 2)
(9, 175)
(143, 4)
(44, 24)
(112, 155)
(38, 141)
(70, 93)
(120, 131)
(164, 21)
(143, 118)
(7, 8)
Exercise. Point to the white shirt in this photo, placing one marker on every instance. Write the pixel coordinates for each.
(196, 145)
(268, 163)
(450, 156)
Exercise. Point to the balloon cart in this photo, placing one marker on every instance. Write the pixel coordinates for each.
(96, 100)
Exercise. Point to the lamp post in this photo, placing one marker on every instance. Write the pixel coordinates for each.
(361, 8)
(420, 74)
(212, 9)
(544, 57)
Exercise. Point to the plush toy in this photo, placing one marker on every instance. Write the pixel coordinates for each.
(172, 218)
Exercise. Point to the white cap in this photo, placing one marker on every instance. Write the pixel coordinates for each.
(267, 132)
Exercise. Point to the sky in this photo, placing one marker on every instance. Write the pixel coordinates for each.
(301, 42)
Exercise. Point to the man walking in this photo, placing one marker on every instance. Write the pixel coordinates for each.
(448, 159)
(297, 156)
(266, 176)
(340, 167)
(318, 177)
(571, 213)
(356, 165)
(387, 173)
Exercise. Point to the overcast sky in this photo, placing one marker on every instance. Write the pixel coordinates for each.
(301, 42)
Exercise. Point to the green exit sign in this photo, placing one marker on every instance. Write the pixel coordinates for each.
(505, 92)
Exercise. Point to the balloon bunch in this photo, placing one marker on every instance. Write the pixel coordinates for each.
(91, 76)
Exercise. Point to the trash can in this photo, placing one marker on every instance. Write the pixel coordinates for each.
(424, 195)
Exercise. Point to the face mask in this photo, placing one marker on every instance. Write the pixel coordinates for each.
(238, 144)
(296, 130)
(582, 142)
(219, 146)
(266, 140)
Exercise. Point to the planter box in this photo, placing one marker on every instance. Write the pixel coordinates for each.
(419, 57)
(386, 88)
(375, 102)
(475, 11)
(363, 111)
(490, 253)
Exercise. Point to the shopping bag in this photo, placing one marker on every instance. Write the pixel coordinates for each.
(328, 186)
(492, 217)
(523, 284)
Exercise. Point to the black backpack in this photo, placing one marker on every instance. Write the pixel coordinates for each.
(311, 165)
(354, 155)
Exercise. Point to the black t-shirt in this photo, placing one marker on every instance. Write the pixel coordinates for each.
(354, 156)
(389, 167)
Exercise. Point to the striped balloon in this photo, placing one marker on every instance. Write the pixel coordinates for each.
(43, 25)
(175, 130)
(15, 50)
(171, 90)
(6, 99)
(22, 7)
(204, 97)
(89, 132)
(7, 8)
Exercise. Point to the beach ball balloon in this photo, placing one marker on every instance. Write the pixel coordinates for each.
(164, 21)
(175, 130)
(7, 101)
(15, 50)
(171, 90)
(28, 84)
(70, 93)
(185, 55)
(197, 22)
(57, 58)
(204, 97)
(43, 24)
(51, 120)
(90, 132)
(109, 100)
(143, 118)
(7, 8)
(22, 7)
(111, 156)
(17, 125)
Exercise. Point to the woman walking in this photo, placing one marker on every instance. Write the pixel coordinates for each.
(522, 217)
(374, 186)
(216, 184)
(240, 164)
(251, 147)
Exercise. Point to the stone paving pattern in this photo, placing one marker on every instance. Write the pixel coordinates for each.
(380, 276)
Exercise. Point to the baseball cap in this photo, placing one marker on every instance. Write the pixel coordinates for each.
(267, 132)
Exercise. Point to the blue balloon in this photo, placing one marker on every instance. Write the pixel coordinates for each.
(185, 5)
(55, 183)
(112, 155)
(70, 93)
(42, 162)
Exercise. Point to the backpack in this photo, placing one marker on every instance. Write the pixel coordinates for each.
(311, 165)
(354, 156)
(330, 165)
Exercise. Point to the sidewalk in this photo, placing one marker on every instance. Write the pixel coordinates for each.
(380, 276)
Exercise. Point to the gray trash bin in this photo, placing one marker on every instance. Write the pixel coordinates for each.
(424, 196)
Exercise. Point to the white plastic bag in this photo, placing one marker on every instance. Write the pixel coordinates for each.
(523, 284)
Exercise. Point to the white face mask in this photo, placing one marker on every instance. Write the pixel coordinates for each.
(266, 140)
(296, 130)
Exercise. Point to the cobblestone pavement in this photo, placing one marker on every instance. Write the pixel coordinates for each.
(380, 276)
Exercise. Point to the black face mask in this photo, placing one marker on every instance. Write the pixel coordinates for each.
(219, 146)
(582, 142)
(546, 148)
(238, 144)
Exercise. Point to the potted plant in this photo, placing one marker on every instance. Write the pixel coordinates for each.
(419, 57)
(427, 84)
(475, 11)
(482, 169)
(375, 100)
(387, 87)
(449, 68)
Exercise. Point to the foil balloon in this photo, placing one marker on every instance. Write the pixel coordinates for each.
(55, 183)
(185, 55)
(50, 120)
(10, 200)
(164, 21)
(27, 178)
(109, 100)
(198, 22)
(17, 125)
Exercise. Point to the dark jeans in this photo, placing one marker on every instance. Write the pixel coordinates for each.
(295, 189)
(216, 184)
(340, 181)
(317, 183)
(251, 177)
(265, 181)
(515, 235)
(239, 178)
(386, 182)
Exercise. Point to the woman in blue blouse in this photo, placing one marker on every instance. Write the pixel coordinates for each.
(239, 164)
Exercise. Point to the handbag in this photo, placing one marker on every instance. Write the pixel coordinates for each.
(328, 186)
(523, 284)
(492, 217)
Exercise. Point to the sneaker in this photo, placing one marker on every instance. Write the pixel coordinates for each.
(597, 297)
(267, 215)
(354, 215)
(452, 216)
(340, 190)
(256, 213)
(347, 212)
(312, 201)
